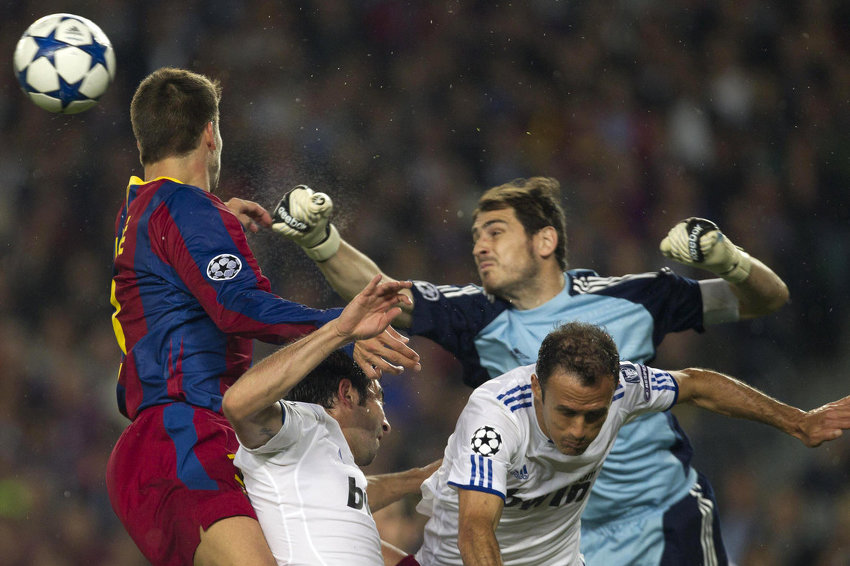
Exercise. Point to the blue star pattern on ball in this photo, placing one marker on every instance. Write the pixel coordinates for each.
(47, 47)
(97, 53)
(67, 92)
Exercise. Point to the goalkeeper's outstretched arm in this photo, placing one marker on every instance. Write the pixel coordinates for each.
(755, 287)
(349, 270)
(304, 216)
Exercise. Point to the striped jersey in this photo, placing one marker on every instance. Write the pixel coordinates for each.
(498, 447)
(309, 495)
(189, 298)
(649, 465)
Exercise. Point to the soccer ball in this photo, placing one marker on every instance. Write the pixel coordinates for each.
(64, 63)
(486, 441)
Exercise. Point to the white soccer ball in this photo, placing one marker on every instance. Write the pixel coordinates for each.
(64, 63)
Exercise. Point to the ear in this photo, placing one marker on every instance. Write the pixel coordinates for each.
(209, 136)
(139, 147)
(546, 242)
(536, 390)
(346, 394)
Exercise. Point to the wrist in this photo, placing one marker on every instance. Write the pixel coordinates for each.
(327, 248)
(740, 268)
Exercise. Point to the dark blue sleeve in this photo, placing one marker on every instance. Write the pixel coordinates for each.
(452, 317)
(203, 243)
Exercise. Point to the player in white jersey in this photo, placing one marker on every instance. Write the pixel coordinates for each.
(300, 460)
(660, 507)
(529, 444)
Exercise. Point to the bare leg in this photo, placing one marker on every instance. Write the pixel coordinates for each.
(233, 541)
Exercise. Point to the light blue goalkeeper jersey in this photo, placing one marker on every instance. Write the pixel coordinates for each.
(649, 466)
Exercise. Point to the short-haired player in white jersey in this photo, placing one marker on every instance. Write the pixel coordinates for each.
(300, 459)
(529, 444)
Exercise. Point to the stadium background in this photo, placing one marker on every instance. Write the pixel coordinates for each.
(646, 111)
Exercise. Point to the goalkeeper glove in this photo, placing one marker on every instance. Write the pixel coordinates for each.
(700, 243)
(303, 216)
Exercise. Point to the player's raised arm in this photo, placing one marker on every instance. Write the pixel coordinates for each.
(251, 404)
(304, 216)
(728, 396)
(479, 513)
(699, 243)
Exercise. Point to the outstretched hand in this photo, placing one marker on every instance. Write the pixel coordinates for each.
(825, 423)
(367, 318)
(250, 214)
(388, 351)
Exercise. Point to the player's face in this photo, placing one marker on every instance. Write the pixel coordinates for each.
(368, 425)
(503, 253)
(569, 413)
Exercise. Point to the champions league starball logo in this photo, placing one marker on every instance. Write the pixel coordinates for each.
(223, 267)
(486, 441)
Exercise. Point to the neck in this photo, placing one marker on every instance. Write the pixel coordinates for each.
(187, 169)
(537, 291)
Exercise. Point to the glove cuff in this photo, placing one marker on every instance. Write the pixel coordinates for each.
(740, 270)
(327, 248)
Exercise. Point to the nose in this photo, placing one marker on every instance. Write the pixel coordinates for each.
(577, 428)
(479, 248)
(385, 426)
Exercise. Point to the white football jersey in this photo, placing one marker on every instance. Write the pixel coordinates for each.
(309, 495)
(498, 447)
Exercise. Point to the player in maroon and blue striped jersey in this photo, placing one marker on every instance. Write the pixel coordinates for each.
(189, 299)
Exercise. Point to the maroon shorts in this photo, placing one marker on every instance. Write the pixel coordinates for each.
(171, 474)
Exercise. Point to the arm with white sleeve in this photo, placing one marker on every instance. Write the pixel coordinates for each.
(304, 216)
(251, 404)
(751, 288)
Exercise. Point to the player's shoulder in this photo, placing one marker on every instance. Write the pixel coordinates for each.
(587, 281)
(311, 410)
(511, 390)
(433, 292)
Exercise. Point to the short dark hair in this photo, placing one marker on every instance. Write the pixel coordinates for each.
(536, 202)
(585, 350)
(321, 385)
(169, 111)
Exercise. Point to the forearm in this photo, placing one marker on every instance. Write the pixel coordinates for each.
(762, 293)
(349, 270)
(478, 546)
(385, 489)
(249, 403)
(728, 396)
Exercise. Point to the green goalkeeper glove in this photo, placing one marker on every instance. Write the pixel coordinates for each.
(700, 243)
(303, 216)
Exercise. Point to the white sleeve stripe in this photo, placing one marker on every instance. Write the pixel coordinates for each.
(593, 284)
(451, 292)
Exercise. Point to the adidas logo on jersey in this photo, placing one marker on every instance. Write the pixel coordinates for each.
(521, 474)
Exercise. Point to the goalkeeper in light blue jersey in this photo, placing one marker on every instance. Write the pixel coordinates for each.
(661, 509)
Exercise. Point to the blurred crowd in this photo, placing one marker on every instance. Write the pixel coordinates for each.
(647, 112)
